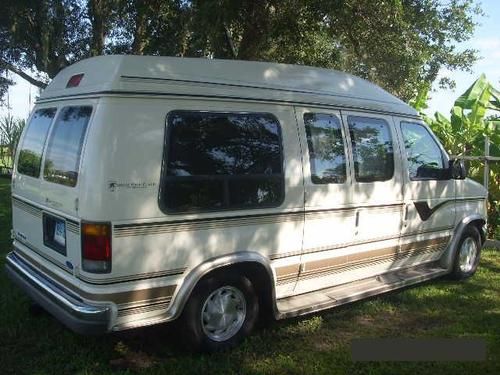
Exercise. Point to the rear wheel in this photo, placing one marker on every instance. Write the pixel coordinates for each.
(467, 254)
(220, 313)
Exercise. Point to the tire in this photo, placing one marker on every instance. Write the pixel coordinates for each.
(203, 328)
(467, 254)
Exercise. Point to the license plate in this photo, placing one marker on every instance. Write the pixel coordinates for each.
(60, 233)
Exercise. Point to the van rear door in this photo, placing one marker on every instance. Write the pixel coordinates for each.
(45, 191)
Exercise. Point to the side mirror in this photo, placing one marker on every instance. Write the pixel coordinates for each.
(457, 169)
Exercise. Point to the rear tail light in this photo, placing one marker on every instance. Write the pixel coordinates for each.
(96, 247)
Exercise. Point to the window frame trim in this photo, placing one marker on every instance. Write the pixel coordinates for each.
(164, 178)
(439, 146)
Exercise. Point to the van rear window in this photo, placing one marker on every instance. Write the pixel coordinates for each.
(65, 145)
(30, 156)
(219, 161)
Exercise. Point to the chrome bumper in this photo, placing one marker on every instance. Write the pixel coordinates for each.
(67, 307)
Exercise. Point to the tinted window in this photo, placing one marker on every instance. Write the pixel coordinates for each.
(425, 160)
(326, 148)
(30, 156)
(372, 149)
(65, 145)
(222, 161)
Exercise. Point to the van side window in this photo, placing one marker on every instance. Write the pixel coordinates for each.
(65, 145)
(326, 148)
(30, 156)
(219, 161)
(425, 159)
(372, 149)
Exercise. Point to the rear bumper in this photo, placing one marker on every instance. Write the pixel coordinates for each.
(67, 307)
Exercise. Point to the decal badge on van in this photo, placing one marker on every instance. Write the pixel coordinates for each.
(113, 185)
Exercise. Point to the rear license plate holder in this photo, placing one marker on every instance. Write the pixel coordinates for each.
(54, 233)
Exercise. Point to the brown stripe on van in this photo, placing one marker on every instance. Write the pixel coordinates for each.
(135, 295)
(287, 271)
(144, 309)
(349, 259)
(351, 267)
(425, 231)
(425, 243)
(323, 272)
(118, 298)
(361, 242)
(384, 254)
(133, 277)
(372, 254)
(325, 263)
(122, 230)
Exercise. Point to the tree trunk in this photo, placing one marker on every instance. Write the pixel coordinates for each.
(97, 15)
(256, 28)
(140, 32)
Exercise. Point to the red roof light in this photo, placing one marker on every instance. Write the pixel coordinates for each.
(75, 80)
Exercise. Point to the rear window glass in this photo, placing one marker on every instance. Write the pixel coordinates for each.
(30, 155)
(218, 161)
(65, 145)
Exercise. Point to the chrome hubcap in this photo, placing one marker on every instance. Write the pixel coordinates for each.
(223, 313)
(468, 252)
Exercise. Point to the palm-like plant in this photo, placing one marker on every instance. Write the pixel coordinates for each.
(475, 115)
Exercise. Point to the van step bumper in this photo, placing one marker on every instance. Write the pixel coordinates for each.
(341, 294)
(68, 308)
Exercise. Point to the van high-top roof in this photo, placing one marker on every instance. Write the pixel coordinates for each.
(153, 75)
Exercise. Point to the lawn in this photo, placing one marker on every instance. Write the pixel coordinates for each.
(318, 343)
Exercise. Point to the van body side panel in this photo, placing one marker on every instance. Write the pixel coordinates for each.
(122, 171)
(429, 203)
(470, 200)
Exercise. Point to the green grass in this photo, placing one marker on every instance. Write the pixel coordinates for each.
(316, 344)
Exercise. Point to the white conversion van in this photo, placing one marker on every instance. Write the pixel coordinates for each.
(148, 189)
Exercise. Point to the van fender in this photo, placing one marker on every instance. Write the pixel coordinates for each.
(183, 293)
(448, 256)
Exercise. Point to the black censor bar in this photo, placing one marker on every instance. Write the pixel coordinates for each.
(402, 349)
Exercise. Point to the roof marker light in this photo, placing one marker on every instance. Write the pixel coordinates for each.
(75, 80)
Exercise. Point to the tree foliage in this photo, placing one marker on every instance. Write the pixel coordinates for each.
(399, 44)
(10, 132)
(473, 116)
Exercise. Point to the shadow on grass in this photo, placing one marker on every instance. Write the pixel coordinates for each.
(314, 343)
(436, 308)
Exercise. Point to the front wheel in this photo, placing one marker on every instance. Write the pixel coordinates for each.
(220, 313)
(467, 254)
